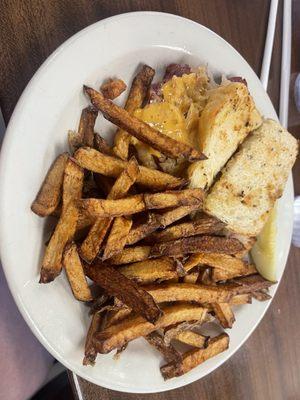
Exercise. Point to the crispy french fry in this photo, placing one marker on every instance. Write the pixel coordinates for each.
(90, 352)
(196, 244)
(95, 161)
(218, 274)
(205, 225)
(101, 145)
(224, 314)
(197, 293)
(75, 274)
(92, 243)
(131, 255)
(157, 221)
(251, 283)
(150, 271)
(141, 202)
(49, 195)
(113, 88)
(241, 299)
(117, 237)
(137, 94)
(142, 131)
(168, 351)
(192, 339)
(196, 357)
(133, 327)
(66, 227)
(116, 284)
(260, 295)
(117, 316)
(85, 134)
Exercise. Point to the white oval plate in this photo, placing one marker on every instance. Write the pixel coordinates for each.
(37, 132)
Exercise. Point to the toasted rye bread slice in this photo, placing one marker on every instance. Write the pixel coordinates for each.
(229, 116)
(253, 179)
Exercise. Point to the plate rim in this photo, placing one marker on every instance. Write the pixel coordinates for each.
(8, 139)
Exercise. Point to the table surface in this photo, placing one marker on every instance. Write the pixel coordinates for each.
(268, 364)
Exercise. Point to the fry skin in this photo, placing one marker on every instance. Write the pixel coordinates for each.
(101, 145)
(66, 226)
(196, 357)
(90, 352)
(137, 94)
(131, 255)
(49, 195)
(113, 88)
(116, 284)
(194, 244)
(85, 134)
(142, 131)
(75, 274)
(95, 161)
(168, 351)
(133, 327)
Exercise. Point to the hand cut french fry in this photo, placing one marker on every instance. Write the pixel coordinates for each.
(260, 295)
(142, 131)
(90, 352)
(133, 327)
(218, 274)
(113, 88)
(92, 243)
(224, 314)
(192, 339)
(157, 221)
(116, 284)
(196, 244)
(101, 145)
(140, 202)
(241, 299)
(117, 237)
(206, 225)
(196, 357)
(75, 274)
(137, 94)
(168, 351)
(131, 255)
(49, 195)
(66, 227)
(150, 271)
(117, 316)
(85, 134)
(251, 283)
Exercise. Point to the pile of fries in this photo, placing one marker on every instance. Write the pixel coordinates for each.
(160, 268)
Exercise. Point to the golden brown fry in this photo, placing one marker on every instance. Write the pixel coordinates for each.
(131, 255)
(90, 353)
(224, 314)
(241, 299)
(113, 88)
(260, 295)
(117, 237)
(168, 351)
(140, 202)
(150, 271)
(157, 221)
(116, 284)
(142, 131)
(194, 244)
(218, 274)
(205, 225)
(75, 274)
(85, 134)
(92, 243)
(66, 227)
(137, 94)
(133, 327)
(101, 145)
(191, 292)
(196, 357)
(95, 161)
(49, 195)
(192, 339)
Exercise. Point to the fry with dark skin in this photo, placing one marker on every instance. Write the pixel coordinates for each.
(117, 237)
(196, 244)
(90, 352)
(131, 255)
(136, 96)
(116, 284)
(95, 161)
(75, 274)
(196, 357)
(168, 351)
(49, 195)
(101, 145)
(85, 134)
(140, 202)
(142, 131)
(133, 327)
(66, 227)
(113, 88)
